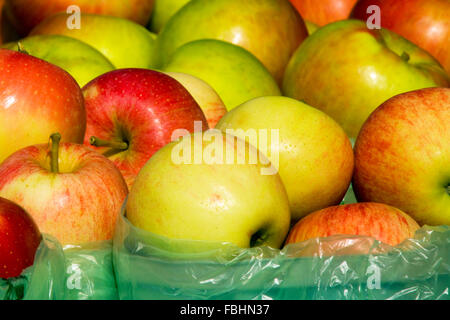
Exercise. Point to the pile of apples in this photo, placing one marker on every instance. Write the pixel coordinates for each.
(101, 101)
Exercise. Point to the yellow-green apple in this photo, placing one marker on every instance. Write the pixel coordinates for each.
(131, 113)
(260, 26)
(73, 193)
(125, 43)
(347, 70)
(385, 223)
(163, 10)
(206, 97)
(402, 155)
(313, 154)
(36, 99)
(234, 73)
(79, 59)
(424, 22)
(26, 14)
(311, 27)
(208, 186)
(324, 11)
(19, 239)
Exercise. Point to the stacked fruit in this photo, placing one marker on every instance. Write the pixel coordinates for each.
(227, 120)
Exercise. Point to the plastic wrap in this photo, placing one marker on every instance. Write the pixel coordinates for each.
(149, 266)
(44, 280)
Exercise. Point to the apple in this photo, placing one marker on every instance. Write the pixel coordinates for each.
(163, 10)
(73, 193)
(218, 200)
(234, 73)
(402, 155)
(324, 11)
(423, 22)
(314, 155)
(260, 26)
(206, 97)
(26, 14)
(19, 239)
(347, 70)
(131, 113)
(311, 27)
(79, 59)
(125, 43)
(37, 99)
(385, 223)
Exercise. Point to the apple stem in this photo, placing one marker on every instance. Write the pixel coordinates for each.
(54, 162)
(116, 145)
(21, 48)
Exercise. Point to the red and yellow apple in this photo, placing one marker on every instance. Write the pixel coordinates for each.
(324, 11)
(402, 155)
(206, 97)
(19, 239)
(125, 43)
(380, 221)
(26, 14)
(36, 99)
(206, 186)
(347, 70)
(424, 22)
(163, 10)
(270, 29)
(313, 154)
(131, 113)
(73, 193)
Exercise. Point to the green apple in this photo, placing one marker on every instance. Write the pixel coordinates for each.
(348, 70)
(313, 153)
(234, 73)
(79, 59)
(270, 29)
(163, 10)
(222, 200)
(206, 97)
(125, 43)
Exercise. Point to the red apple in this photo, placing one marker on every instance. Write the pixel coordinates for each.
(19, 239)
(382, 222)
(132, 113)
(27, 14)
(72, 192)
(402, 155)
(36, 99)
(424, 22)
(324, 11)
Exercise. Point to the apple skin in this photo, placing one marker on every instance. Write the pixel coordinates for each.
(312, 27)
(347, 70)
(26, 14)
(402, 155)
(423, 22)
(206, 97)
(79, 59)
(232, 203)
(324, 11)
(141, 108)
(234, 73)
(310, 142)
(19, 239)
(380, 221)
(256, 25)
(125, 43)
(78, 204)
(37, 99)
(163, 10)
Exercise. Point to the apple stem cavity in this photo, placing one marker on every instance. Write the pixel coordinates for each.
(115, 145)
(405, 56)
(54, 161)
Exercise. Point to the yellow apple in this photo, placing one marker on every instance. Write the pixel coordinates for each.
(314, 155)
(221, 200)
(206, 97)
